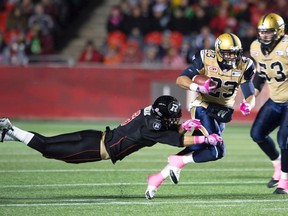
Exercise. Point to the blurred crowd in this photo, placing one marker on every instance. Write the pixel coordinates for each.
(169, 32)
(30, 27)
(147, 32)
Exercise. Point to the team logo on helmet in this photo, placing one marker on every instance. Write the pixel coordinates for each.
(157, 125)
(173, 108)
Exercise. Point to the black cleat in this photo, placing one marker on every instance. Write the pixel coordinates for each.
(272, 183)
(280, 191)
(174, 177)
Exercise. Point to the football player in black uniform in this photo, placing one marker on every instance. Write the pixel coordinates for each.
(158, 123)
(213, 106)
(271, 55)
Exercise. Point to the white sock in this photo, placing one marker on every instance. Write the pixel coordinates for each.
(284, 175)
(277, 161)
(21, 135)
(165, 171)
(188, 158)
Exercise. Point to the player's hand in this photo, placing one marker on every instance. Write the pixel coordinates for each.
(206, 88)
(245, 108)
(214, 139)
(191, 123)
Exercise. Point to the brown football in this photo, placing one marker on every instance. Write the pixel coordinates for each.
(200, 80)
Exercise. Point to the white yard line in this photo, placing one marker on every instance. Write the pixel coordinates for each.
(130, 184)
(138, 170)
(194, 203)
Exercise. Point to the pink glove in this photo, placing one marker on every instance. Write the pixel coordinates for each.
(245, 108)
(191, 123)
(214, 139)
(206, 88)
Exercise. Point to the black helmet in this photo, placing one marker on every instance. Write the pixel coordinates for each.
(167, 108)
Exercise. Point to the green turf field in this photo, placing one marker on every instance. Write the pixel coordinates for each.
(236, 185)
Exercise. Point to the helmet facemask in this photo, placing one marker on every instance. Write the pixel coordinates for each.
(172, 120)
(267, 36)
(231, 57)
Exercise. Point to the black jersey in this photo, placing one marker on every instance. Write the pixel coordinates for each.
(142, 129)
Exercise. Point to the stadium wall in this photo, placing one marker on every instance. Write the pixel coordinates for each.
(83, 92)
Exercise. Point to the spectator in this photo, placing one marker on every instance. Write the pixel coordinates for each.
(201, 18)
(178, 22)
(38, 43)
(222, 21)
(173, 58)
(50, 7)
(132, 53)
(165, 44)
(43, 20)
(17, 51)
(204, 36)
(115, 21)
(112, 55)
(16, 20)
(27, 8)
(125, 7)
(146, 8)
(137, 36)
(136, 22)
(160, 18)
(90, 54)
(151, 56)
(186, 50)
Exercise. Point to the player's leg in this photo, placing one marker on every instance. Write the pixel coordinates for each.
(282, 138)
(177, 162)
(77, 147)
(266, 121)
(204, 154)
(198, 153)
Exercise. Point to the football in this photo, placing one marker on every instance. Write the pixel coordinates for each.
(201, 79)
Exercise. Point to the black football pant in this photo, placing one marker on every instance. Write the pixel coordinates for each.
(77, 147)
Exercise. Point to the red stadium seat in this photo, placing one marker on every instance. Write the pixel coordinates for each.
(153, 38)
(116, 38)
(176, 39)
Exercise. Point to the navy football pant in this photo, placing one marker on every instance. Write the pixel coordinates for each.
(270, 116)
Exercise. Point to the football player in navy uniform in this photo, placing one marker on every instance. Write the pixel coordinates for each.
(146, 127)
(229, 69)
(270, 51)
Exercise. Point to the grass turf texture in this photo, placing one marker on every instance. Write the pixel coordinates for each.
(236, 185)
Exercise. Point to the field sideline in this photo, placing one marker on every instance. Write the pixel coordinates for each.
(236, 185)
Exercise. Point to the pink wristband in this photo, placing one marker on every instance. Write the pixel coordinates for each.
(199, 139)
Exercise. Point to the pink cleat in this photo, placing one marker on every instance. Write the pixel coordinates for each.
(282, 187)
(154, 181)
(276, 176)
